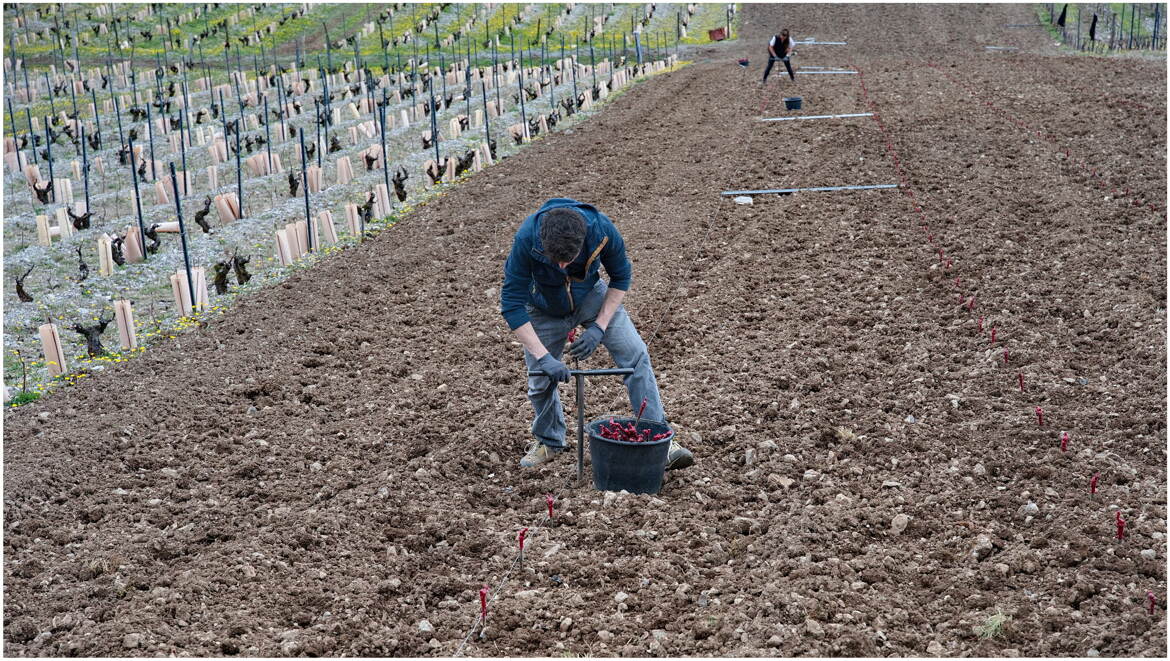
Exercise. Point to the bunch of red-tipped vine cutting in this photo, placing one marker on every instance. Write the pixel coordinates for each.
(614, 430)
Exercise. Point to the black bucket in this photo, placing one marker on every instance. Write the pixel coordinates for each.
(793, 102)
(634, 467)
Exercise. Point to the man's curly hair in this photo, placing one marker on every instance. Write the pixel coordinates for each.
(562, 233)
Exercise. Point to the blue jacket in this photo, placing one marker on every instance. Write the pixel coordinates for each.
(530, 278)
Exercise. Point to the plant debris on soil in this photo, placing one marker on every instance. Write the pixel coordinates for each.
(331, 467)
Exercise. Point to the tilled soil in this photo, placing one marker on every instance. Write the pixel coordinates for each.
(334, 462)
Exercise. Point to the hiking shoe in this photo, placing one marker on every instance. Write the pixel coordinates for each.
(678, 457)
(539, 454)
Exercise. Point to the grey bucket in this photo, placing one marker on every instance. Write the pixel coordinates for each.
(634, 467)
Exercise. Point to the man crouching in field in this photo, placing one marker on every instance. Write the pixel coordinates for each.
(552, 284)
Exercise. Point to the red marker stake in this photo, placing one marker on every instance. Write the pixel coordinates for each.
(1120, 526)
(523, 534)
(993, 334)
(548, 500)
(1093, 484)
(1064, 441)
(1152, 600)
(1005, 355)
(1040, 415)
(1021, 382)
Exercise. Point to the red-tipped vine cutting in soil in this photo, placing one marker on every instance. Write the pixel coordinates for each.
(909, 191)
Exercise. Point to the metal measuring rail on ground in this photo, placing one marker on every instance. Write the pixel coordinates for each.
(783, 191)
(580, 376)
(789, 119)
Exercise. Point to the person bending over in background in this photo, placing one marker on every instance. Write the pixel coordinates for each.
(779, 48)
(552, 284)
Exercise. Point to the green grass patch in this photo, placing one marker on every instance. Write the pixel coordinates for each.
(993, 626)
(23, 397)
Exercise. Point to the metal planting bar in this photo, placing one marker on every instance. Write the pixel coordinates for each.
(579, 376)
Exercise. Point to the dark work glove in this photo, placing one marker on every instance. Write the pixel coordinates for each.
(587, 343)
(554, 368)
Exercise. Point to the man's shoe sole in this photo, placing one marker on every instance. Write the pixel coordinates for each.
(685, 461)
(549, 460)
